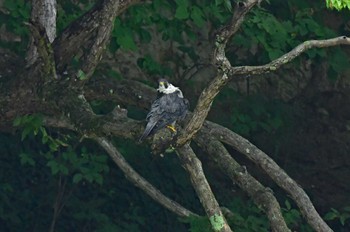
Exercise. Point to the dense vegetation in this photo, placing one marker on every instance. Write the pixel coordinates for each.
(55, 178)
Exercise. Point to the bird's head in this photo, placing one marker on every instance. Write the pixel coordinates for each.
(165, 87)
(163, 84)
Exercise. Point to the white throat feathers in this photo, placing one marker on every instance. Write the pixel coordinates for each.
(170, 89)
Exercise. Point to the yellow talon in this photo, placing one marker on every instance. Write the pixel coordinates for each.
(171, 128)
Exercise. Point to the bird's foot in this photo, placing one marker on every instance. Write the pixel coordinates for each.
(171, 128)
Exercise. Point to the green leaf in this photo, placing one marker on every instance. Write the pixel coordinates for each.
(228, 5)
(98, 179)
(197, 16)
(343, 218)
(63, 169)
(77, 178)
(182, 9)
(81, 75)
(26, 131)
(127, 42)
(182, 13)
(26, 159)
(17, 121)
(54, 166)
(287, 203)
(218, 2)
(217, 222)
(53, 146)
(330, 216)
(339, 61)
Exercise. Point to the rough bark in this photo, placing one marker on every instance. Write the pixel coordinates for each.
(262, 196)
(44, 15)
(96, 22)
(194, 167)
(44, 12)
(274, 171)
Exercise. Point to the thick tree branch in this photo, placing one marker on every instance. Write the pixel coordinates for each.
(44, 15)
(194, 167)
(93, 24)
(262, 196)
(286, 58)
(124, 92)
(274, 171)
(42, 63)
(109, 11)
(139, 181)
(44, 12)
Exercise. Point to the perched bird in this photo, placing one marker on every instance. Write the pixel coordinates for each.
(169, 107)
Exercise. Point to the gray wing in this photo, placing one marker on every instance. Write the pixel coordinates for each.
(164, 111)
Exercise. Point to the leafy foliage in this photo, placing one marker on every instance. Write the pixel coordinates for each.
(248, 218)
(338, 4)
(12, 19)
(294, 218)
(342, 216)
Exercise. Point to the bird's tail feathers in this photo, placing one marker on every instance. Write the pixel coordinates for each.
(146, 132)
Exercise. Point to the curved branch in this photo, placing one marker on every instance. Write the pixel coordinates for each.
(139, 181)
(274, 171)
(288, 57)
(208, 94)
(262, 196)
(194, 167)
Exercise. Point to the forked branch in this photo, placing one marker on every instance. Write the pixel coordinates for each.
(279, 176)
(209, 93)
(262, 196)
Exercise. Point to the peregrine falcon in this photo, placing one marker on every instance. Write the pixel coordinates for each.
(166, 109)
